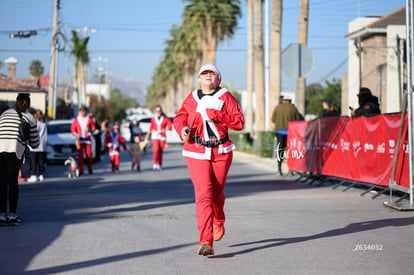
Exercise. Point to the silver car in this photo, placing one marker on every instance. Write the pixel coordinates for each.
(61, 142)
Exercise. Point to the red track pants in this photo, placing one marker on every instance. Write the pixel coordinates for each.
(209, 178)
(157, 150)
(87, 148)
(115, 159)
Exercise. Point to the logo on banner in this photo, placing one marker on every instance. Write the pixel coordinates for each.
(345, 145)
(391, 143)
(356, 145)
(281, 154)
(381, 148)
(368, 147)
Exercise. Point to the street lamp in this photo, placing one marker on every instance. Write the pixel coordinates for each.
(100, 59)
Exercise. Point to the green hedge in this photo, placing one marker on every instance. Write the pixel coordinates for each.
(265, 143)
(242, 140)
(262, 146)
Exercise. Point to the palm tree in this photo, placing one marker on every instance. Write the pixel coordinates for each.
(215, 19)
(275, 74)
(36, 68)
(259, 66)
(249, 80)
(81, 56)
(185, 49)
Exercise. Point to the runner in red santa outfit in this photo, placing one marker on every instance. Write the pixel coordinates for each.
(203, 122)
(82, 127)
(114, 141)
(159, 122)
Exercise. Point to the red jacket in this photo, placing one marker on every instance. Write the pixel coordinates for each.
(114, 141)
(158, 126)
(220, 110)
(83, 127)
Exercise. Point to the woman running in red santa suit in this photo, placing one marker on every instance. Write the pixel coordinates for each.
(159, 123)
(114, 141)
(203, 121)
(82, 128)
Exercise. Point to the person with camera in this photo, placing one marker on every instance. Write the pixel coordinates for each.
(17, 130)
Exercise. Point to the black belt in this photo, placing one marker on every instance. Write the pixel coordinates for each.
(210, 143)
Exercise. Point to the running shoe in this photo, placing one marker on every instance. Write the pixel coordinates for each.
(14, 220)
(32, 178)
(3, 221)
(206, 249)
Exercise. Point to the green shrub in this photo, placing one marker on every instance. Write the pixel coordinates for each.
(265, 143)
(242, 140)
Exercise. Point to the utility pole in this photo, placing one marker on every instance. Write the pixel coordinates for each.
(51, 109)
(100, 82)
(303, 39)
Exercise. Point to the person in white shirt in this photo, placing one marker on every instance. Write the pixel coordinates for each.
(37, 154)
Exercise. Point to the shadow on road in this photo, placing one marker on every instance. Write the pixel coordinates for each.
(349, 229)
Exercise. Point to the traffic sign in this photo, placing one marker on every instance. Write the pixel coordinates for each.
(297, 60)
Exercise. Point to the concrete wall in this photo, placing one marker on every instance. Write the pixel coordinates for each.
(353, 65)
(374, 65)
(393, 86)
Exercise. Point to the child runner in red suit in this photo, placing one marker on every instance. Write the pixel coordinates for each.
(82, 128)
(159, 122)
(203, 122)
(114, 141)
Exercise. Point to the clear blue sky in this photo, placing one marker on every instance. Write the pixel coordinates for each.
(131, 35)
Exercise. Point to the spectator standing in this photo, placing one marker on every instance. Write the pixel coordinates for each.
(104, 131)
(37, 155)
(82, 128)
(12, 147)
(159, 123)
(203, 122)
(97, 136)
(282, 114)
(368, 104)
(328, 108)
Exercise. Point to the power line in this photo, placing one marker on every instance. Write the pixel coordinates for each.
(334, 70)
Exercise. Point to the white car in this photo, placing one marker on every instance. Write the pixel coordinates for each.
(61, 142)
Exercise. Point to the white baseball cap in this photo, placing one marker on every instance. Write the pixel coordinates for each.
(209, 67)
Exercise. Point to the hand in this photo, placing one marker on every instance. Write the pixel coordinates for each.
(353, 112)
(185, 135)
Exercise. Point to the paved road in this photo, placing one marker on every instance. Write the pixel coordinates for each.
(144, 223)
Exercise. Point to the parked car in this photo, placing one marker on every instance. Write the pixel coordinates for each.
(125, 131)
(61, 142)
(172, 135)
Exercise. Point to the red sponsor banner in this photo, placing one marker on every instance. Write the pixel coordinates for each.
(360, 149)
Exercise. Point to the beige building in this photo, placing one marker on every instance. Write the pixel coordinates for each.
(10, 86)
(375, 60)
